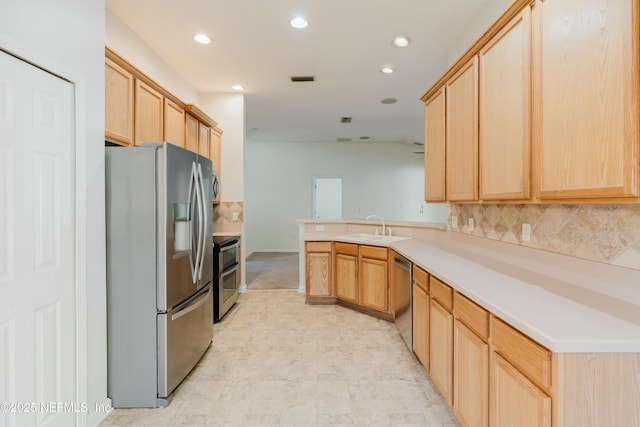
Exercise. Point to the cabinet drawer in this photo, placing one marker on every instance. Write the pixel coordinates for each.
(441, 292)
(318, 246)
(374, 252)
(347, 248)
(421, 278)
(530, 357)
(472, 315)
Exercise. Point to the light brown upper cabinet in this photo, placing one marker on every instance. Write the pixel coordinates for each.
(191, 130)
(215, 148)
(173, 123)
(203, 139)
(434, 147)
(119, 109)
(462, 133)
(587, 76)
(149, 117)
(505, 112)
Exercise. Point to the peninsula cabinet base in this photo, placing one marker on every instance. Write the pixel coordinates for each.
(365, 310)
(596, 389)
(316, 300)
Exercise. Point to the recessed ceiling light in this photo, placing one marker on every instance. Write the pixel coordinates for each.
(202, 38)
(299, 22)
(389, 101)
(237, 87)
(401, 41)
(388, 69)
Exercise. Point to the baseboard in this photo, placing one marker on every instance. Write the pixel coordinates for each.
(99, 412)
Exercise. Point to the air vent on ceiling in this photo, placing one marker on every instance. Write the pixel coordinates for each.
(296, 79)
(345, 120)
(344, 139)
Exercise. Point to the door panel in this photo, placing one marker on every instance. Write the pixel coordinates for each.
(183, 336)
(175, 271)
(37, 241)
(207, 176)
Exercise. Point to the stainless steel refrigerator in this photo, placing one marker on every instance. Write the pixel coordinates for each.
(159, 270)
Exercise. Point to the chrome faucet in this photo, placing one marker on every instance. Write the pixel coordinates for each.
(380, 218)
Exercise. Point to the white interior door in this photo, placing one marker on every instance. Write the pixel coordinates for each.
(37, 246)
(327, 197)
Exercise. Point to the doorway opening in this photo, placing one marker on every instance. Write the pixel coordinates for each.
(327, 197)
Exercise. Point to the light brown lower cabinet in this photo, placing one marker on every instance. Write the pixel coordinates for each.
(441, 349)
(420, 315)
(373, 278)
(346, 271)
(516, 400)
(318, 270)
(470, 377)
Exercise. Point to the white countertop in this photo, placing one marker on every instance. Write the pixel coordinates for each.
(554, 299)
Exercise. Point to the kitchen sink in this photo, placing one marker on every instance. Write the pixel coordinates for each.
(373, 237)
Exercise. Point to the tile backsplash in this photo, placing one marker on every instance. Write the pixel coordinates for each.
(603, 233)
(223, 213)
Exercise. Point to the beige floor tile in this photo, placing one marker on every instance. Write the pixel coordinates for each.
(276, 361)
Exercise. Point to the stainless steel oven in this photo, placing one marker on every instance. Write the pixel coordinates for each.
(226, 281)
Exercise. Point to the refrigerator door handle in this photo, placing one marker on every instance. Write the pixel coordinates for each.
(198, 262)
(203, 220)
(193, 199)
(192, 306)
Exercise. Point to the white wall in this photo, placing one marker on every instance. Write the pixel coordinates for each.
(383, 179)
(67, 37)
(227, 109)
(476, 28)
(127, 44)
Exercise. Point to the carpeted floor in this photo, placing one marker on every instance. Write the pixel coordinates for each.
(272, 270)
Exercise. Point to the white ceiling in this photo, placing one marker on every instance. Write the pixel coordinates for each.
(344, 47)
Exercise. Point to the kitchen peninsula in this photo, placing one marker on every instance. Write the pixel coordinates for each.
(559, 337)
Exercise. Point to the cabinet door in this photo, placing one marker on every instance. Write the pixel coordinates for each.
(346, 277)
(441, 350)
(470, 377)
(587, 76)
(514, 400)
(319, 274)
(215, 150)
(434, 148)
(373, 284)
(191, 130)
(119, 108)
(462, 133)
(149, 117)
(421, 325)
(173, 123)
(203, 139)
(505, 110)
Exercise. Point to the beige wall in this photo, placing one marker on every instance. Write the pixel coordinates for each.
(67, 38)
(603, 233)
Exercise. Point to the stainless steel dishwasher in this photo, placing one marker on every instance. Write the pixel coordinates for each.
(402, 281)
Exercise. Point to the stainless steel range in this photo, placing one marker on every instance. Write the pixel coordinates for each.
(226, 274)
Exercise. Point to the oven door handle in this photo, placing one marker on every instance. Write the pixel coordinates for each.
(229, 247)
(229, 272)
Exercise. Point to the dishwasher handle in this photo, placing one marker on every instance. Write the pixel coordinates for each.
(402, 263)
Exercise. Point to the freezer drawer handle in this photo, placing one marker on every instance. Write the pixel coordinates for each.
(203, 299)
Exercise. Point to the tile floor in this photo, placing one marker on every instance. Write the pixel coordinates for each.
(276, 361)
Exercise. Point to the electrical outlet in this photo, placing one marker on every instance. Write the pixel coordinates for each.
(234, 216)
(526, 232)
(454, 221)
(471, 225)
(319, 227)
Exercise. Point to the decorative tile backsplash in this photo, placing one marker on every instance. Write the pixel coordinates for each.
(604, 233)
(223, 212)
